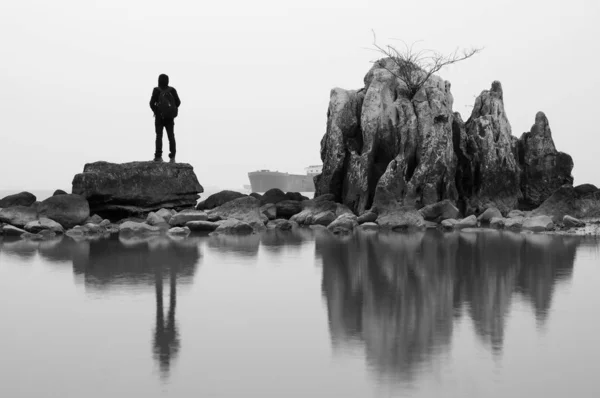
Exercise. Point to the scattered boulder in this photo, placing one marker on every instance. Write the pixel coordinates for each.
(497, 222)
(218, 199)
(572, 222)
(488, 214)
(369, 226)
(449, 223)
(582, 201)
(316, 212)
(274, 195)
(67, 210)
(59, 192)
(18, 199)
(343, 224)
(295, 196)
(367, 217)
(401, 218)
(95, 219)
(44, 224)
(288, 208)
(18, 216)
(10, 230)
(180, 219)
(538, 223)
(120, 190)
(514, 223)
(437, 212)
(179, 231)
(166, 214)
(213, 217)
(138, 228)
(256, 195)
(469, 222)
(323, 218)
(281, 224)
(269, 210)
(155, 219)
(233, 226)
(202, 226)
(515, 213)
(246, 209)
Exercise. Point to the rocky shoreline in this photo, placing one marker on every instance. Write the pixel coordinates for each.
(234, 213)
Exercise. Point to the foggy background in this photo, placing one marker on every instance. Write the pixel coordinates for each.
(254, 77)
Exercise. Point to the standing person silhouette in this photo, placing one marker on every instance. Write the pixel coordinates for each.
(164, 103)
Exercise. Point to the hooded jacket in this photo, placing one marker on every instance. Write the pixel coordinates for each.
(163, 84)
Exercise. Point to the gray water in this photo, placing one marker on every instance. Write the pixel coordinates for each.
(302, 314)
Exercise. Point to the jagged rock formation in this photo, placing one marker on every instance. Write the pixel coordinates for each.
(118, 190)
(543, 168)
(384, 150)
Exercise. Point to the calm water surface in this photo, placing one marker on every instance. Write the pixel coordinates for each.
(298, 314)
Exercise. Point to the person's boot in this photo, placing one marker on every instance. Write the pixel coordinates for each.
(157, 159)
(172, 160)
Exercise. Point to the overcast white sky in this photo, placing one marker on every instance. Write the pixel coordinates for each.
(254, 77)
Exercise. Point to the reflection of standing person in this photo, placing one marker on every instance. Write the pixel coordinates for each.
(166, 336)
(165, 104)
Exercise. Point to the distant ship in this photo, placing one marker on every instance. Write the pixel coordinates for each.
(263, 180)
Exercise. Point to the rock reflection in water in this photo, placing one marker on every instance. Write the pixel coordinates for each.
(398, 294)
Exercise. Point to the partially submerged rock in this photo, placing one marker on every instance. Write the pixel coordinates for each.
(582, 201)
(138, 228)
(10, 230)
(67, 210)
(367, 217)
(487, 216)
(538, 223)
(369, 226)
(514, 222)
(343, 224)
(118, 190)
(269, 210)
(288, 208)
(179, 231)
(572, 222)
(468, 222)
(281, 224)
(497, 222)
(18, 216)
(439, 211)
(202, 226)
(246, 209)
(180, 219)
(233, 227)
(401, 218)
(44, 224)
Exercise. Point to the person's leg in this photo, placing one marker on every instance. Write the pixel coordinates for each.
(158, 125)
(170, 127)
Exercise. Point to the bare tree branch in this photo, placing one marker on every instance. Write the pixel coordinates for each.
(415, 68)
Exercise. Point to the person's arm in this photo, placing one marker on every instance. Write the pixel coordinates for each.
(153, 100)
(176, 97)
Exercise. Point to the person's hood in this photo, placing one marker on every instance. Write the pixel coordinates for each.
(163, 81)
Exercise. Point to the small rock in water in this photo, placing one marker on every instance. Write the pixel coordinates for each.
(180, 219)
(179, 231)
(369, 226)
(10, 230)
(497, 222)
(136, 227)
(538, 223)
(343, 224)
(572, 222)
(367, 217)
(269, 210)
(95, 219)
(165, 214)
(18, 216)
(449, 223)
(202, 226)
(488, 214)
(469, 222)
(233, 227)
(515, 213)
(514, 223)
(42, 235)
(42, 224)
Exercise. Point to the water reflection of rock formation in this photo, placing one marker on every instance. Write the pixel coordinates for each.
(398, 294)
